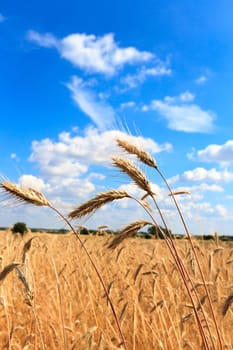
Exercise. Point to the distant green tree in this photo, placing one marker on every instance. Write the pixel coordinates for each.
(84, 231)
(156, 232)
(20, 227)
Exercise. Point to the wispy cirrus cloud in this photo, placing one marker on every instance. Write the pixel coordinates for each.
(182, 115)
(101, 55)
(91, 53)
(129, 104)
(100, 112)
(159, 69)
(45, 40)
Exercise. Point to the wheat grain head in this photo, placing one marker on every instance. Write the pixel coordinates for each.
(134, 173)
(142, 155)
(228, 302)
(128, 231)
(24, 195)
(97, 202)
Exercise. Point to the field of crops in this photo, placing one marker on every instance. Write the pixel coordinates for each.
(53, 298)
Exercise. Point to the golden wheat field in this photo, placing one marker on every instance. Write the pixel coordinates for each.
(53, 299)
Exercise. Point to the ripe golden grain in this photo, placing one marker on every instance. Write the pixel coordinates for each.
(24, 195)
(142, 155)
(134, 173)
(97, 202)
(227, 304)
(128, 231)
(7, 269)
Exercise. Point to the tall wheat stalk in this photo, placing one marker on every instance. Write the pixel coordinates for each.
(146, 158)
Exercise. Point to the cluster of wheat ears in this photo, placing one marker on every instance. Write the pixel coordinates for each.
(206, 324)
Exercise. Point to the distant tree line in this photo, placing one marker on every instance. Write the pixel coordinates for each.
(152, 232)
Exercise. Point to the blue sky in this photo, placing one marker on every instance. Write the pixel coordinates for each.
(76, 75)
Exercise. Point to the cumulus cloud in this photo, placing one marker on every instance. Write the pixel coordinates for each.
(27, 181)
(72, 154)
(182, 115)
(202, 174)
(222, 154)
(91, 53)
(100, 112)
(69, 168)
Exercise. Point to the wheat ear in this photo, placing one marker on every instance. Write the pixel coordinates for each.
(134, 173)
(142, 155)
(227, 304)
(128, 231)
(7, 269)
(25, 195)
(97, 202)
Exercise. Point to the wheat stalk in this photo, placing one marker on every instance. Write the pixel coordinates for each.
(142, 155)
(146, 158)
(97, 202)
(176, 193)
(128, 231)
(25, 195)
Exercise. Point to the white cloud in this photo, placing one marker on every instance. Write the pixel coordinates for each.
(14, 157)
(222, 154)
(69, 167)
(27, 181)
(181, 115)
(53, 161)
(91, 53)
(100, 112)
(222, 211)
(186, 96)
(129, 104)
(202, 174)
(210, 188)
(201, 80)
(133, 80)
(44, 40)
(79, 152)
